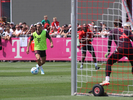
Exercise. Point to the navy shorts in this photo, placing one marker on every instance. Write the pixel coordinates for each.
(42, 53)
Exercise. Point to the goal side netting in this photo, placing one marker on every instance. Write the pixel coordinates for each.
(102, 12)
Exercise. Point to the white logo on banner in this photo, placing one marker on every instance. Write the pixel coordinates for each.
(18, 48)
(68, 49)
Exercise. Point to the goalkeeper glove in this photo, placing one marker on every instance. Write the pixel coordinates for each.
(106, 55)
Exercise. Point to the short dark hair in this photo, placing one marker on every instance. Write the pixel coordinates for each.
(65, 25)
(21, 26)
(24, 23)
(13, 27)
(118, 22)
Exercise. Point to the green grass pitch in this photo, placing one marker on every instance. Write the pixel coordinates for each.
(17, 83)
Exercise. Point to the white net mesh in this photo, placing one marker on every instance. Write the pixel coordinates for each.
(103, 11)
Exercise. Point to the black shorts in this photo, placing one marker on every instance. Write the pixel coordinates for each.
(88, 47)
(42, 53)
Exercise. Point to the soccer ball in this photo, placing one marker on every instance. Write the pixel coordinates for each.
(34, 70)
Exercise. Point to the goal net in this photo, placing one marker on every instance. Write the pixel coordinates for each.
(95, 13)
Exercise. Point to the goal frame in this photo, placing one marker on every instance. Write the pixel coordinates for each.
(74, 46)
(74, 15)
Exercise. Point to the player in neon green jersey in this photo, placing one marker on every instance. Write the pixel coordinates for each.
(39, 37)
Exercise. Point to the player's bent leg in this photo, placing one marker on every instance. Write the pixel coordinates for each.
(38, 59)
(42, 71)
(82, 60)
(37, 66)
(104, 83)
(91, 50)
(43, 59)
(129, 55)
(131, 61)
(111, 60)
(83, 56)
(95, 61)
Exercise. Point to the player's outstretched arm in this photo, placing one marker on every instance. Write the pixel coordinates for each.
(27, 51)
(51, 42)
(107, 54)
(109, 46)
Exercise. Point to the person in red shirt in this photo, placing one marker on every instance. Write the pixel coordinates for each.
(53, 32)
(47, 27)
(55, 23)
(85, 38)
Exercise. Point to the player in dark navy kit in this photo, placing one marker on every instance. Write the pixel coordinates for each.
(124, 47)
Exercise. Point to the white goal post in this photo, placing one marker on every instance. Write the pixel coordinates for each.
(73, 47)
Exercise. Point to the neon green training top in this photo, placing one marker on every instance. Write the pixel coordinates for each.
(40, 41)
